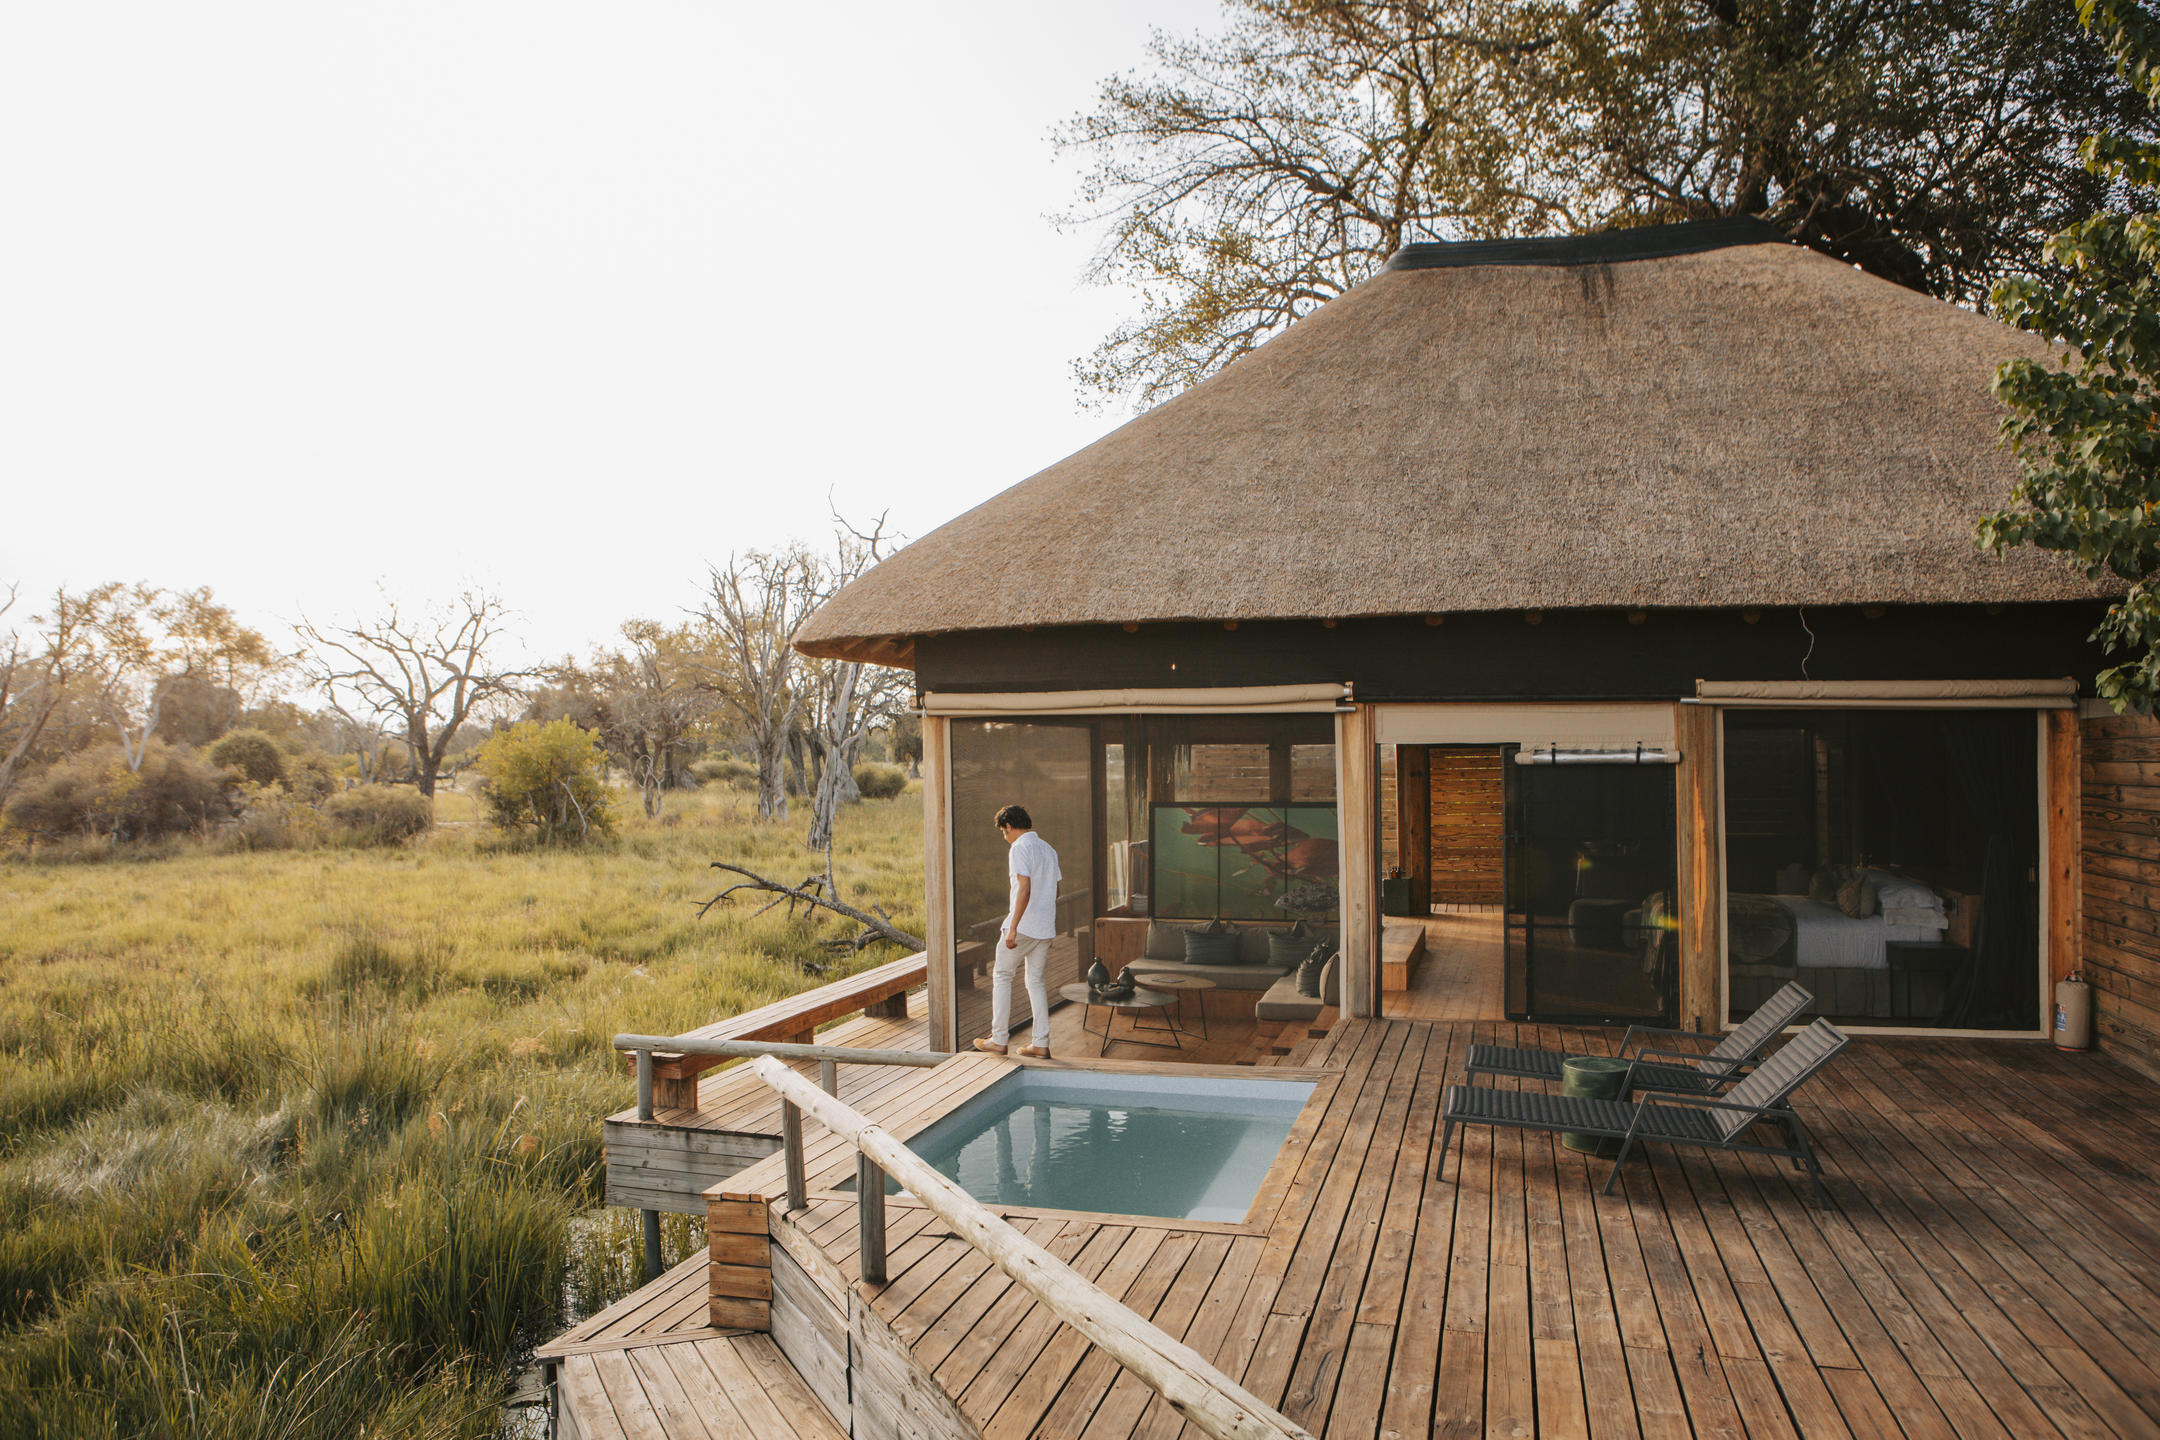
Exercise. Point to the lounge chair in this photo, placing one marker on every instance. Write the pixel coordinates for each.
(1717, 1124)
(1686, 1072)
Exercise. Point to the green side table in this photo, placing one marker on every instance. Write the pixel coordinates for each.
(1594, 1077)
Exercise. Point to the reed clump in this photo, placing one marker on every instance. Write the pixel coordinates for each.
(306, 1143)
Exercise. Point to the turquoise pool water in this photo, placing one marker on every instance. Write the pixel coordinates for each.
(1180, 1147)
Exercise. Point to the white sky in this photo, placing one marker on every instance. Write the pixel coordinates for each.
(563, 300)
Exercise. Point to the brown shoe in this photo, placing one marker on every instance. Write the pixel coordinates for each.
(989, 1047)
(1034, 1052)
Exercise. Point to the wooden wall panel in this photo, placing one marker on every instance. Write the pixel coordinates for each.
(1414, 799)
(2117, 904)
(1467, 818)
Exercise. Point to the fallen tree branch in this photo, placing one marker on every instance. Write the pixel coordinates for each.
(816, 892)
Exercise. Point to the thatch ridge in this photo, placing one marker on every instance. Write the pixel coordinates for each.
(1744, 425)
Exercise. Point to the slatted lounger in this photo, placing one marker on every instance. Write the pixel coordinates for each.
(1717, 1124)
(1687, 1072)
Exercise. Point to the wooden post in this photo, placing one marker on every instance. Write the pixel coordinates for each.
(2065, 846)
(1702, 900)
(1413, 822)
(937, 878)
(739, 1264)
(653, 1267)
(1217, 1405)
(1356, 789)
(870, 1218)
(828, 1076)
(644, 1085)
(798, 1188)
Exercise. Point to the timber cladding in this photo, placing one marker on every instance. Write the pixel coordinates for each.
(1466, 826)
(2120, 882)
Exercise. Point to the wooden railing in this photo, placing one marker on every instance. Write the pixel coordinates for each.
(880, 990)
(644, 1048)
(1193, 1388)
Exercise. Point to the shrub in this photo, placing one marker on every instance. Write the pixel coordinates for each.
(380, 814)
(880, 782)
(94, 793)
(549, 777)
(255, 755)
(311, 776)
(726, 770)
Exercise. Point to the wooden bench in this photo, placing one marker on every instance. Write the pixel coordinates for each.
(880, 990)
(1402, 949)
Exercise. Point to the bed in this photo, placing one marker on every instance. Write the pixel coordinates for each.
(1844, 959)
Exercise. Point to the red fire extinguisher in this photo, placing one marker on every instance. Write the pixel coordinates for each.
(2073, 1012)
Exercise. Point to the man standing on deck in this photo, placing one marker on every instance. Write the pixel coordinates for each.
(1030, 924)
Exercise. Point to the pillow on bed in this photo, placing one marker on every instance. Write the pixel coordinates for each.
(1857, 898)
(1823, 884)
(1897, 892)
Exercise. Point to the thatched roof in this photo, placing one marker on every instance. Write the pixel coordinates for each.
(1689, 416)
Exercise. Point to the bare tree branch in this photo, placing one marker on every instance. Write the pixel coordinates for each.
(816, 892)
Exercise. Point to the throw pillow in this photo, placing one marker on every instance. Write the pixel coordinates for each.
(1213, 944)
(1164, 942)
(1857, 898)
(1823, 885)
(1286, 948)
(1331, 981)
(1308, 975)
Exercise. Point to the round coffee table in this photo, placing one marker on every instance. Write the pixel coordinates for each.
(1182, 985)
(1140, 1000)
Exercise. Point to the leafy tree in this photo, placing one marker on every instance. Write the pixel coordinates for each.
(255, 755)
(551, 777)
(147, 646)
(644, 701)
(2086, 433)
(35, 672)
(413, 682)
(1250, 176)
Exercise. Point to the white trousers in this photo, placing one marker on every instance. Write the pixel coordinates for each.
(1037, 955)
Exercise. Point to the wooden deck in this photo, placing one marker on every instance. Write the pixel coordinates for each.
(649, 1367)
(1990, 1265)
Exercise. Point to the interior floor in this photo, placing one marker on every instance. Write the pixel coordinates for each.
(1463, 972)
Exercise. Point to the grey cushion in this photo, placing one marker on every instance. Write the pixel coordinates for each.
(1308, 975)
(1282, 1002)
(1164, 942)
(1331, 982)
(1203, 947)
(1252, 946)
(1285, 948)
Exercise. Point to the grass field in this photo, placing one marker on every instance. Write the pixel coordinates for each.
(307, 1143)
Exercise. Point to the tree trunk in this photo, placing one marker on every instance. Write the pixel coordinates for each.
(770, 747)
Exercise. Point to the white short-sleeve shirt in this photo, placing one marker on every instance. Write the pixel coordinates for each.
(1032, 856)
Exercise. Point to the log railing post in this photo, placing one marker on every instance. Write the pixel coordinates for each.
(798, 1194)
(870, 1218)
(828, 1074)
(644, 1085)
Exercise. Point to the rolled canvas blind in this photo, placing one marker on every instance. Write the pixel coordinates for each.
(1570, 727)
(1272, 699)
(1893, 694)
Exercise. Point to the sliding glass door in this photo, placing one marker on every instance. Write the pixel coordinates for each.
(1590, 881)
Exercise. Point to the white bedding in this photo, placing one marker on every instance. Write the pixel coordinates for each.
(1826, 937)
